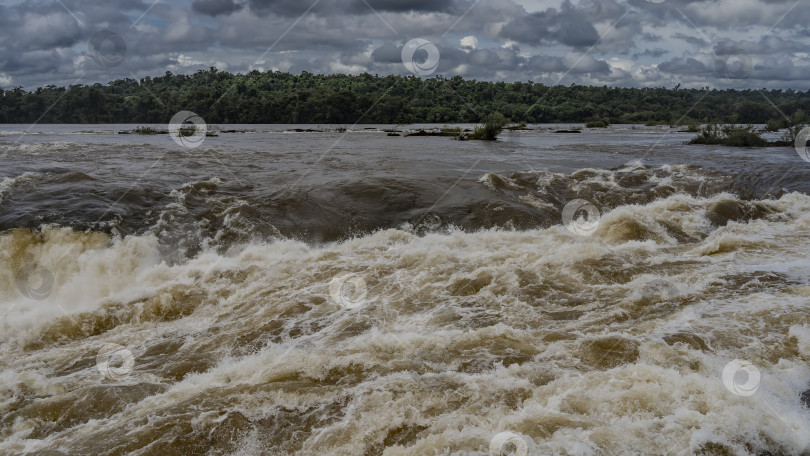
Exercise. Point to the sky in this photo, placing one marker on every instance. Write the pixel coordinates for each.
(620, 43)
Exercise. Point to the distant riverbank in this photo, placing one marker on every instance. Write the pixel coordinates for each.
(283, 98)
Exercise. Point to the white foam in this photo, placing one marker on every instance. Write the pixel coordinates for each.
(462, 335)
(8, 182)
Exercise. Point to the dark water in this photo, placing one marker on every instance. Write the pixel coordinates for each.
(333, 186)
(275, 292)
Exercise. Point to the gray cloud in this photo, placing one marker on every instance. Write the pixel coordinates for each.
(407, 5)
(691, 39)
(297, 7)
(553, 64)
(387, 53)
(686, 66)
(568, 26)
(215, 7)
(630, 43)
(656, 52)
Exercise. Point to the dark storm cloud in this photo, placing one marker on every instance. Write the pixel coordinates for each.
(485, 62)
(628, 42)
(41, 42)
(451, 57)
(298, 7)
(727, 15)
(491, 58)
(287, 7)
(691, 39)
(406, 5)
(568, 26)
(215, 7)
(554, 64)
(387, 53)
(657, 52)
(650, 37)
(686, 66)
(780, 69)
(768, 45)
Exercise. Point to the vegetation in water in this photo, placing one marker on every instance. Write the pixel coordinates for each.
(796, 124)
(597, 124)
(492, 127)
(517, 126)
(187, 130)
(145, 130)
(774, 125)
(691, 127)
(446, 131)
(729, 135)
(748, 136)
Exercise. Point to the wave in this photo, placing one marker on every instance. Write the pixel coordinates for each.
(38, 148)
(224, 212)
(422, 335)
(8, 183)
(678, 221)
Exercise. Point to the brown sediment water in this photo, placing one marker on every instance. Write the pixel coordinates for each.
(265, 295)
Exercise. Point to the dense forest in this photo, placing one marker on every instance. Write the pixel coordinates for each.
(276, 97)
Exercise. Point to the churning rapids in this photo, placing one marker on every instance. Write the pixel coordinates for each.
(355, 293)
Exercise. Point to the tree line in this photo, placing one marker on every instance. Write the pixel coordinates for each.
(339, 99)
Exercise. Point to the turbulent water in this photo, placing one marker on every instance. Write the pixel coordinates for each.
(350, 293)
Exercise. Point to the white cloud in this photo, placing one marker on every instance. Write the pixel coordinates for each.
(533, 6)
(339, 67)
(184, 61)
(5, 80)
(469, 41)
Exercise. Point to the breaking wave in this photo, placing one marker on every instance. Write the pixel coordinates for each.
(479, 314)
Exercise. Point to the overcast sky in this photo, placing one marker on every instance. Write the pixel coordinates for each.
(628, 43)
